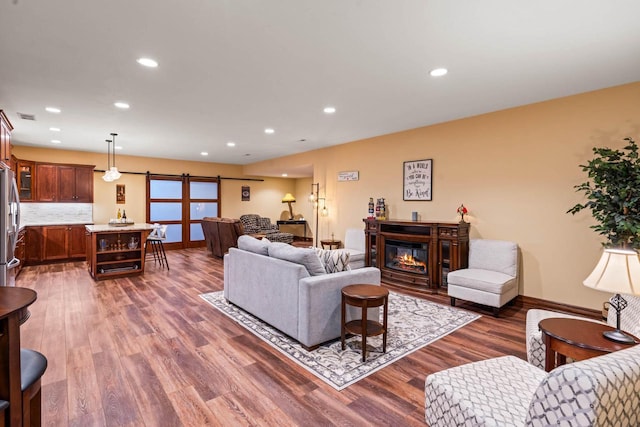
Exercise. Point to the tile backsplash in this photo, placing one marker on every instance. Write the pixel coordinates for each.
(55, 213)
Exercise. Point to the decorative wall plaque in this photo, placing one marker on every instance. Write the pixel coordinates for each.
(417, 180)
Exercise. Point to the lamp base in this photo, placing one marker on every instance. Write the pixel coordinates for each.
(618, 336)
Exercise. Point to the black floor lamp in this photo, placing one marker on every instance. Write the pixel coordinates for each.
(313, 198)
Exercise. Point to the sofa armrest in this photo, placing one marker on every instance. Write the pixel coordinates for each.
(320, 300)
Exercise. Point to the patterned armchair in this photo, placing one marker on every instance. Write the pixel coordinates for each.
(507, 391)
(629, 322)
(255, 224)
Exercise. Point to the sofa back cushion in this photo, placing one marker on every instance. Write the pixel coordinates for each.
(304, 256)
(494, 255)
(334, 261)
(251, 244)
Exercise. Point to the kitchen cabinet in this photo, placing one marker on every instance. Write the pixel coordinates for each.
(33, 245)
(5, 140)
(25, 172)
(46, 182)
(64, 183)
(76, 184)
(54, 243)
(63, 242)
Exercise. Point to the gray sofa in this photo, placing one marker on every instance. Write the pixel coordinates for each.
(286, 295)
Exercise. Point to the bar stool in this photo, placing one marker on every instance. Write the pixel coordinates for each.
(32, 367)
(155, 239)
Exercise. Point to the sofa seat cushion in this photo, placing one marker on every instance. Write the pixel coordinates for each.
(304, 256)
(251, 244)
(473, 394)
(483, 280)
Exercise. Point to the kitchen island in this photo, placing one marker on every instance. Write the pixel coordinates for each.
(115, 250)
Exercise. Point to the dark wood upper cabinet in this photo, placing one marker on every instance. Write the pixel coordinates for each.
(5, 140)
(46, 183)
(64, 183)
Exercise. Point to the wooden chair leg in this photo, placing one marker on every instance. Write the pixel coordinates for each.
(453, 302)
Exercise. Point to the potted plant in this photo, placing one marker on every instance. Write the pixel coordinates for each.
(613, 194)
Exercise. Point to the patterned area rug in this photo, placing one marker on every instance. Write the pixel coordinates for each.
(413, 323)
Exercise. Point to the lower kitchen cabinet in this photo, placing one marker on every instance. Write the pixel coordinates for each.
(55, 243)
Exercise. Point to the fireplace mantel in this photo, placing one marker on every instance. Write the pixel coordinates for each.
(444, 244)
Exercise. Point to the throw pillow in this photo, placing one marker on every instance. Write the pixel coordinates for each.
(334, 261)
(251, 244)
(305, 257)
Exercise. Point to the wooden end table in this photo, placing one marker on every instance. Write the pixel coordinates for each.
(577, 339)
(365, 297)
(332, 244)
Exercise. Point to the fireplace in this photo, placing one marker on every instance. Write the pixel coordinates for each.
(410, 257)
(416, 255)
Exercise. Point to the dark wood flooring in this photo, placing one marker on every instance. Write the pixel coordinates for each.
(148, 351)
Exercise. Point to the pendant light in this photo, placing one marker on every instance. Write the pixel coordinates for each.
(114, 170)
(107, 174)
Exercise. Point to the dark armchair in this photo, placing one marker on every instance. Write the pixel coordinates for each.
(220, 234)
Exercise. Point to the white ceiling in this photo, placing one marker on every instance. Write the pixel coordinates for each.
(230, 68)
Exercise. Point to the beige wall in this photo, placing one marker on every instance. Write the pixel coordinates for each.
(266, 193)
(515, 171)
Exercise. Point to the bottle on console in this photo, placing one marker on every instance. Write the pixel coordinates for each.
(124, 215)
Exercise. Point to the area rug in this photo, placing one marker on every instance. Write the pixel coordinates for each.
(413, 323)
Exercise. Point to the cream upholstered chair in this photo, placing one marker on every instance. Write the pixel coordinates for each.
(629, 322)
(354, 244)
(491, 278)
(507, 391)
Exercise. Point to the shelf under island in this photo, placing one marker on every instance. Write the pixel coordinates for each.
(114, 251)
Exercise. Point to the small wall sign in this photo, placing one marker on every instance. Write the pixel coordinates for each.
(348, 176)
(246, 193)
(417, 180)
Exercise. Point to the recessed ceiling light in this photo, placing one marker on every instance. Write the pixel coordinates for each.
(285, 175)
(329, 110)
(269, 131)
(53, 110)
(54, 129)
(121, 104)
(55, 141)
(147, 62)
(204, 153)
(438, 72)
(231, 144)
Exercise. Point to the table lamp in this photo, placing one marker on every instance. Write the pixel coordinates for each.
(288, 198)
(617, 271)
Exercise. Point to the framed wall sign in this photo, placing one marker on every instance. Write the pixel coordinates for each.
(246, 193)
(120, 194)
(417, 180)
(348, 176)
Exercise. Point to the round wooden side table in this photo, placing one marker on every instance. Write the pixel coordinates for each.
(575, 338)
(365, 297)
(332, 244)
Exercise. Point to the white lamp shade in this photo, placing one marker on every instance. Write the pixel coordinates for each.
(107, 176)
(114, 173)
(618, 271)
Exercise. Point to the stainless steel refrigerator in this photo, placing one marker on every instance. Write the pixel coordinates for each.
(9, 225)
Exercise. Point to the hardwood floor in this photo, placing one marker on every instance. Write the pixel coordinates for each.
(148, 351)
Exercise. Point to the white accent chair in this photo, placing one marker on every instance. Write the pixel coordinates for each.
(492, 276)
(629, 322)
(507, 391)
(354, 244)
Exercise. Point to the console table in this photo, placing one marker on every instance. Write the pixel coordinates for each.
(13, 312)
(442, 247)
(302, 222)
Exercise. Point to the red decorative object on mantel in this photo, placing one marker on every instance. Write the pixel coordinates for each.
(462, 211)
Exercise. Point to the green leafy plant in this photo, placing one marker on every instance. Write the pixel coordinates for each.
(613, 194)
